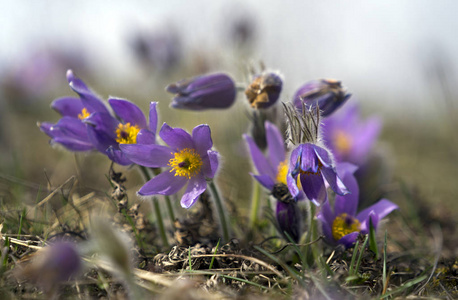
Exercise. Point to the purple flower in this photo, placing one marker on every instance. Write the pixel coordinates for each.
(203, 92)
(313, 165)
(349, 138)
(343, 225)
(264, 90)
(189, 160)
(107, 132)
(272, 175)
(328, 94)
(70, 131)
(274, 168)
(53, 264)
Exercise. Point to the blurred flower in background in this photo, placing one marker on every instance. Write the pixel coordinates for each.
(327, 94)
(159, 50)
(38, 74)
(212, 91)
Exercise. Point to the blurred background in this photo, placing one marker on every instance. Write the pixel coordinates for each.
(398, 59)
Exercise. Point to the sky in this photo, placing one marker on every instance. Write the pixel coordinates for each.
(383, 51)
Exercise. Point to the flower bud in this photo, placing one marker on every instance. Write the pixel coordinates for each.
(328, 94)
(289, 219)
(203, 92)
(264, 90)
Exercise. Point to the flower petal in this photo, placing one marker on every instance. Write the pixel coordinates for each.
(275, 144)
(176, 138)
(146, 137)
(323, 155)
(73, 144)
(291, 182)
(349, 239)
(196, 186)
(382, 208)
(308, 157)
(68, 106)
(153, 156)
(88, 98)
(260, 162)
(265, 181)
(314, 188)
(118, 156)
(128, 112)
(334, 181)
(165, 183)
(348, 203)
(153, 117)
(210, 164)
(201, 136)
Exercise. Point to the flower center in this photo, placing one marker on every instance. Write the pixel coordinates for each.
(282, 171)
(344, 224)
(186, 163)
(318, 171)
(342, 141)
(84, 114)
(127, 134)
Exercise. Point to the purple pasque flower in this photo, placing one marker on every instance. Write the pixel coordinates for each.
(343, 224)
(273, 168)
(328, 94)
(313, 165)
(264, 90)
(348, 137)
(70, 131)
(203, 92)
(272, 175)
(130, 127)
(188, 159)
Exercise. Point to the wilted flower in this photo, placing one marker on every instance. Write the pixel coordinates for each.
(189, 158)
(343, 225)
(107, 132)
(264, 90)
(328, 94)
(203, 92)
(313, 165)
(70, 131)
(348, 137)
(272, 175)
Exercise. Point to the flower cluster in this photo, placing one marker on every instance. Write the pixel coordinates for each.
(315, 160)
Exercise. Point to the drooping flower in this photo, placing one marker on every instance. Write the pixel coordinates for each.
(328, 94)
(348, 137)
(213, 91)
(107, 132)
(312, 166)
(188, 159)
(264, 90)
(343, 224)
(70, 131)
(272, 175)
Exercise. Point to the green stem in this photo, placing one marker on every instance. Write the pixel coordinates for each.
(157, 209)
(160, 223)
(170, 210)
(219, 207)
(255, 202)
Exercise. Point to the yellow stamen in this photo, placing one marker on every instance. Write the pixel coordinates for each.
(282, 172)
(186, 163)
(84, 114)
(342, 141)
(344, 224)
(127, 134)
